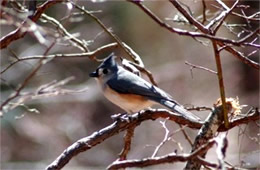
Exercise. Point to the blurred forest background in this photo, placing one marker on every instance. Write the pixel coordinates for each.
(34, 134)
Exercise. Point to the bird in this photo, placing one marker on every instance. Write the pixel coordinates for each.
(131, 92)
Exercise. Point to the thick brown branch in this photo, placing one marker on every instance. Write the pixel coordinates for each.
(119, 126)
(207, 132)
(135, 119)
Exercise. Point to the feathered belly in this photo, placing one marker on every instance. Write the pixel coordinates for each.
(131, 103)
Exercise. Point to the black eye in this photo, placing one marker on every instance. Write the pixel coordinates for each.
(105, 71)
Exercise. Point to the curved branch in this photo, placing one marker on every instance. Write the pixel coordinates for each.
(90, 55)
(113, 129)
(19, 33)
(171, 158)
(189, 17)
(75, 41)
(220, 40)
(87, 143)
(24, 83)
(190, 33)
(110, 33)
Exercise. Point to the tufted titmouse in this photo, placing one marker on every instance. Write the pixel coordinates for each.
(131, 92)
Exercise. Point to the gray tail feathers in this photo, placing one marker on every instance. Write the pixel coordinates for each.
(174, 106)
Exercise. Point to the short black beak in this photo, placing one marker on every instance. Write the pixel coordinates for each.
(93, 74)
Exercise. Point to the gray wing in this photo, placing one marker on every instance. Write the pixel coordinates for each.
(128, 83)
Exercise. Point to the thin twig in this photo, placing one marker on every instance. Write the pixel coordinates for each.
(204, 8)
(19, 33)
(147, 72)
(188, 16)
(241, 57)
(249, 36)
(165, 139)
(121, 44)
(185, 32)
(219, 20)
(220, 41)
(110, 33)
(252, 17)
(200, 67)
(140, 66)
(185, 134)
(221, 82)
(92, 55)
(24, 83)
(78, 43)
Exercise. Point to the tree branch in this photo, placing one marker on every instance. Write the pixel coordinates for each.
(221, 17)
(200, 67)
(127, 140)
(221, 82)
(204, 7)
(253, 115)
(92, 55)
(110, 33)
(207, 132)
(170, 158)
(24, 83)
(87, 143)
(192, 20)
(75, 41)
(220, 41)
(19, 32)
